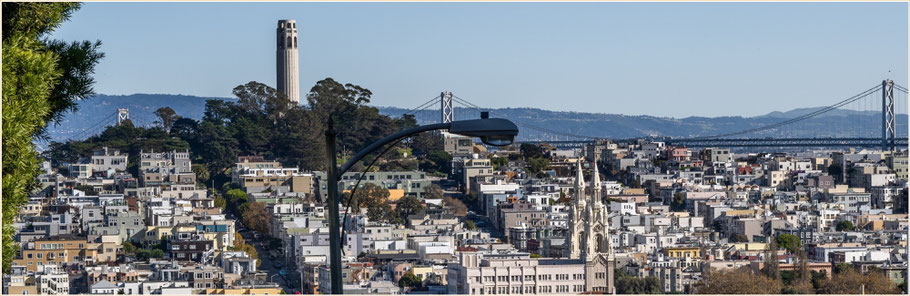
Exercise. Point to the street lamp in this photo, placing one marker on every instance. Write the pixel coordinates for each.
(491, 131)
(272, 278)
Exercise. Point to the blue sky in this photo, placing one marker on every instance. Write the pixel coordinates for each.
(663, 59)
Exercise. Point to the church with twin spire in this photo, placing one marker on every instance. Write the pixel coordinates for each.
(589, 233)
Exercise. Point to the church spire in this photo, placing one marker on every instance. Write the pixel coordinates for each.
(595, 182)
(579, 177)
(579, 184)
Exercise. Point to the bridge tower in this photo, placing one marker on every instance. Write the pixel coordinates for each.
(448, 109)
(888, 130)
(122, 115)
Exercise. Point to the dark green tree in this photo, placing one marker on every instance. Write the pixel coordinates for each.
(42, 79)
(900, 202)
(423, 143)
(437, 161)
(185, 128)
(835, 170)
(499, 162)
(470, 225)
(628, 284)
(302, 141)
(408, 205)
(844, 226)
(202, 174)
(409, 281)
(529, 151)
(679, 202)
(739, 238)
(89, 190)
(539, 164)
(842, 267)
(128, 247)
(220, 202)
(220, 148)
(166, 117)
(789, 242)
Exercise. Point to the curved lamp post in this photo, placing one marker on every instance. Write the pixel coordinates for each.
(491, 131)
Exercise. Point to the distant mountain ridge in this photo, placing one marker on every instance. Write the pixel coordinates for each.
(535, 124)
(82, 123)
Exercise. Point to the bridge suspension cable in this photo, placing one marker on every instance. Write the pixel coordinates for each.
(94, 127)
(818, 112)
(423, 106)
(799, 118)
(468, 104)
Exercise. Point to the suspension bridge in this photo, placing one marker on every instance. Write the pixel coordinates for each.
(866, 119)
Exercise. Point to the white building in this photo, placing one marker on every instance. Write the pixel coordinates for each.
(515, 273)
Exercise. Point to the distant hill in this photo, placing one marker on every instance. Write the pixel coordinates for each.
(535, 124)
(82, 123)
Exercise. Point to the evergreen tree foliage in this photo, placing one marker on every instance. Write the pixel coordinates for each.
(42, 79)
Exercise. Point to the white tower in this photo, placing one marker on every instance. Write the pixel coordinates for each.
(286, 58)
(123, 114)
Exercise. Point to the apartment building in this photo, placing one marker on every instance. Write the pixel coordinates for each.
(54, 250)
(515, 273)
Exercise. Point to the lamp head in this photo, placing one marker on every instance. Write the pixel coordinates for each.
(491, 131)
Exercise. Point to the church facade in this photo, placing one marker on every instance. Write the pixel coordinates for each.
(588, 268)
(589, 233)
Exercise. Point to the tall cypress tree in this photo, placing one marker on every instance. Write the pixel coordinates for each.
(772, 268)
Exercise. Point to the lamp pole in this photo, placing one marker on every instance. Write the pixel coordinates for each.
(492, 131)
(334, 232)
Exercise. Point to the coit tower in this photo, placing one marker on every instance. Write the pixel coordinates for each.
(286, 57)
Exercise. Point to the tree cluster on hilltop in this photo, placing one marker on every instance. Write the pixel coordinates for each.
(263, 122)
